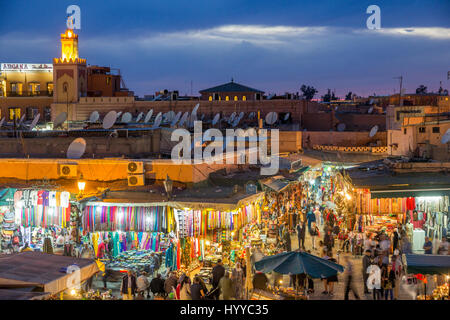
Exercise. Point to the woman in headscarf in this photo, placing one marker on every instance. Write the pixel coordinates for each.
(237, 276)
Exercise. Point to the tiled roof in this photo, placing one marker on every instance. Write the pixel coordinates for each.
(230, 87)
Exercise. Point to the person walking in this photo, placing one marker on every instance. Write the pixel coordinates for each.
(328, 240)
(443, 247)
(128, 287)
(395, 240)
(197, 292)
(397, 267)
(324, 279)
(349, 284)
(157, 286)
(314, 232)
(171, 283)
(374, 280)
(142, 284)
(366, 262)
(185, 288)
(287, 240)
(388, 277)
(227, 290)
(217, 273)
(332, 279)
(237, 276)
(301, 232)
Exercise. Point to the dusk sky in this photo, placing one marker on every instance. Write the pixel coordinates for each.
(275, 46)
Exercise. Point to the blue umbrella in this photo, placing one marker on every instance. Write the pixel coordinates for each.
(298, 262)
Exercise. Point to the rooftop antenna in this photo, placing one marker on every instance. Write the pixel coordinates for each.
(76, 148)
(109, 120)
(400, 102)
(286, 116)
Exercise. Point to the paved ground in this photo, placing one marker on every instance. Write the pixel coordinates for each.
(405, 293)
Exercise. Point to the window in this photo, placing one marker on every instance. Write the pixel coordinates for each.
(14, 111)
(235, 98)
(31, 112)
(50, 88)
(210, 98)
(258, 96)
(227, 98)
(422, 129)
(16, 88)
(244, 98)
(397, 115)
(47, 114)
(108, 80)
(436, 130)
(216, 96)
(404, 131)
(34, 88)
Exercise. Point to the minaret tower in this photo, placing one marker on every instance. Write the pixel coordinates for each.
(69, 75)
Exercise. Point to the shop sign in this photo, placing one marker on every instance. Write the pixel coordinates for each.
(26, 67)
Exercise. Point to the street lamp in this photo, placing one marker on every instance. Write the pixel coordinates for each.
(168, 186)
(81, 184)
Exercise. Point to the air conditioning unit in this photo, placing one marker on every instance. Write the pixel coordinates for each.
(68, 170)
(135, 167)
(136, 180)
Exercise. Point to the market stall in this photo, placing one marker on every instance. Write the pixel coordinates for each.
(45, 272)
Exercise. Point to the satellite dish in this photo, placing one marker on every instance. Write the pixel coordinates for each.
(148, 116)
(286, 116)
(370, 110)
(165, 116)
(236, 122)
(118, 114)
(35, 121)
(216, 118)
(77, 148)
(21, 120)
(94, 116)
(109, 119)
(251, 115)
(371, 101)
(139, 117)
(126, 117)
(1, 122)
(446, 137)
(183, 119)
(194, 111)
(176, 118)
(373, 131)
(60, 120)
(158, 120)
(202, 117)
(341, 127)
(170, 115)
(271, 118)
(241, 115)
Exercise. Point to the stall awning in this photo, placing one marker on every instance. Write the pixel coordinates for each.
(428, 264)
(402, 193)
(38, 269)
(277, 183)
